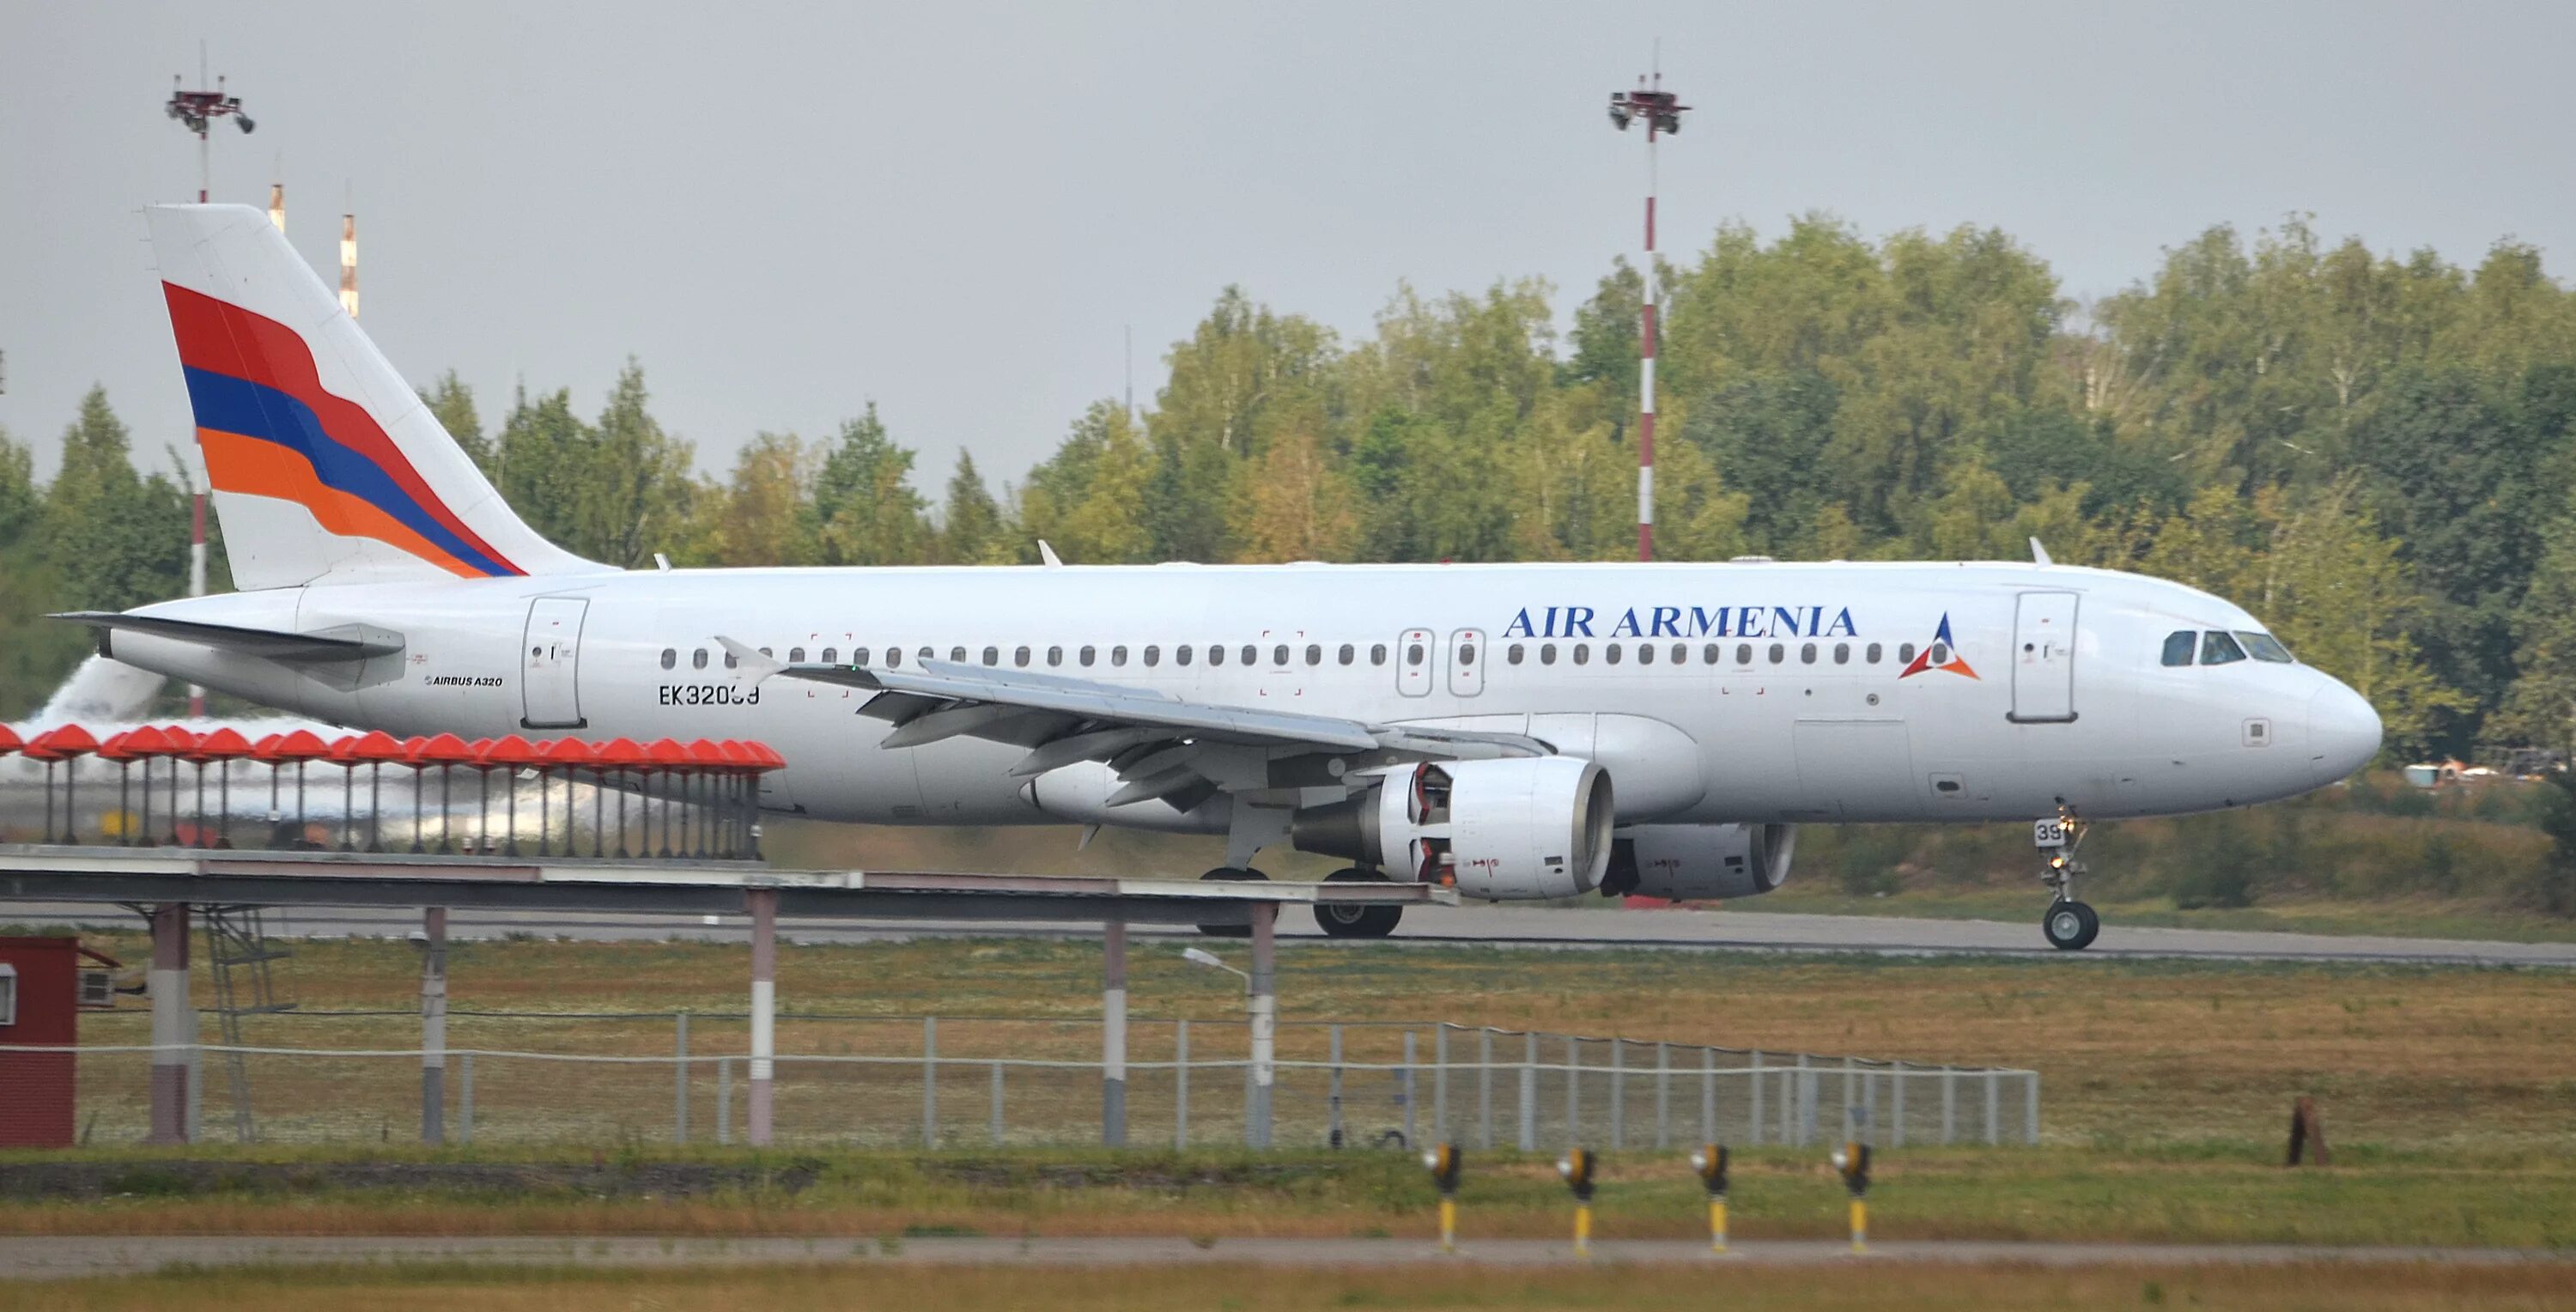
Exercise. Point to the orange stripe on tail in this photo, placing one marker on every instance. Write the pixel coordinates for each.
(251, 466)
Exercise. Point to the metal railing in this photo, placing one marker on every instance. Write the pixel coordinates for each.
(972, 1081)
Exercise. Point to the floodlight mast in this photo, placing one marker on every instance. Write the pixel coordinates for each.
(1662, 112)
(197, 111)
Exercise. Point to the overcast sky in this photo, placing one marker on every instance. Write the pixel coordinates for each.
(954, 208)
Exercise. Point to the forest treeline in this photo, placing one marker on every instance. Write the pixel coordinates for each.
(2374, 453)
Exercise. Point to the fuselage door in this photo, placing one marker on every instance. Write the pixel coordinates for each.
(1413, 659)
(1466, 662)
(550, 670)
(2044, 658)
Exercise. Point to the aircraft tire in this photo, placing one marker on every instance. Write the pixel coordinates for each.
(1357, 922)
(1236, 874)
(2070, 926)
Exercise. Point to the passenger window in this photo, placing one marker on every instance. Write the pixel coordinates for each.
(670, 657)
(1779, 653)
(1905, 653)
(2216, 648)
(1055, 656)
(1020, 657)
(1547, 653)
(1088, 653)
(2265, 647)
(1467, 653)
(1807, 654)
(831, 655)
(957, 655)
(1842, 653)
(1348, 652)
(1279, 655)
(1583, 653)
(993, 655)
(1180, 654)
(1681, 653)
(1377, 653)
(859, 656)
(795, 656)
(1153, 656)
(1413, 655)
(1216, 654)
(924, 655)
(1940, 653)
(731, 661)
(1117, 656)
(1609, 653)
(698, 659)
(1708, 654)
(1872, 654)
(1744, 653)
(894, 657)
(1645, 653)
(1513, 653)
(1314, 654)
(1252, 654)
(2178, 646)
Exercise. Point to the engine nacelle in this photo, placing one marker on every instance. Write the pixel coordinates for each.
(1690, 863)
(1524, 828)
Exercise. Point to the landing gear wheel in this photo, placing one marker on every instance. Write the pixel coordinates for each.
(2070, 926)
(1339, 920)
(1237, 874)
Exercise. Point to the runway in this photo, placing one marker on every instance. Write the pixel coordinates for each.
(57, 1257)
(1479, 926)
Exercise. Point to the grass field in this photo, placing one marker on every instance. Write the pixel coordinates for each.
(1871, 1286)
(2450, 1093)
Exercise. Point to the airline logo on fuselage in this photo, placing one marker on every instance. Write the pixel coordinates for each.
(1682, 622)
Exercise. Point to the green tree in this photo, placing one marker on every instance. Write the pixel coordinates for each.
(451, 403)
(114, 539)
(864, 500)
(970, 525)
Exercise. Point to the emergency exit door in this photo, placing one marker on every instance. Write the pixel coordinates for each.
(550, 669)
(2044, 658)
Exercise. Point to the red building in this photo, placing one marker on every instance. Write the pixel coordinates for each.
(40, 1006)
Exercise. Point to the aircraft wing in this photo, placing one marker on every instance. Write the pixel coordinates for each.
(1160, 745)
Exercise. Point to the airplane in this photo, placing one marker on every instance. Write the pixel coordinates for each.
(1515, 731)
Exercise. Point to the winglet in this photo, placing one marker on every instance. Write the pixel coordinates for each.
(1046, 554)
(2039, 554)
(750, 659)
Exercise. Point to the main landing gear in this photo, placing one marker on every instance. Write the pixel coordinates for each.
(1237, 874)
(2070, 925)
(1339, 920)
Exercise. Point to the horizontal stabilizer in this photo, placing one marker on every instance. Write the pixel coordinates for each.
(348, 643)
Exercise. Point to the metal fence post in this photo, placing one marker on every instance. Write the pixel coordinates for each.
(1949, 1104)
(1896, 1094)
(997, 1104)
(724, 1100)
(465, 1097)
(1851, 1107)
(1869, 1103)
(1708, 1095)
(1663, 1094)
(1181, 1085)
(2031, 1108)
(930, 1081)
(1994, 1097)
(1333, 1092)
(1529, 1096)
(680, 1078)
(1753, 1101)
(1574, 1090)
(1407, 1091)
(1618, 1093)
(1440, 1083)
(1798, 1111)
(1485, 1089)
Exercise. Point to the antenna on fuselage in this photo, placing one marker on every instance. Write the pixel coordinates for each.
(2039, 554)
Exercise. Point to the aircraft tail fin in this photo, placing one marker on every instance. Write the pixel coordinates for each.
(323, 463)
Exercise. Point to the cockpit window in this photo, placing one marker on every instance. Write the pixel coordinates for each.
(2264, 647)
(2179, 645)
(2217, 648)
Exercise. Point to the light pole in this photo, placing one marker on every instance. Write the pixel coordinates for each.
(197, 111)
(1661, 111)
(1258, 1006)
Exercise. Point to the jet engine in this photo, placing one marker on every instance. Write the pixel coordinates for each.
(1689, 863)
(1535, 827)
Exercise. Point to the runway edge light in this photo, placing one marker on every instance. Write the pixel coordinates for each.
(1577, 1168)
(1444, 1161)
(1709, 1161)
(1852, 1161)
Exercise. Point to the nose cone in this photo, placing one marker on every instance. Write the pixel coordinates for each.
(2343, 732)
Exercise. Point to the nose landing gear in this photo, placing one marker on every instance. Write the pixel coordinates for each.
(2070, 925)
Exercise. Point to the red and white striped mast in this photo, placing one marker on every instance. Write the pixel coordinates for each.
(197, 112)
(1661, 111)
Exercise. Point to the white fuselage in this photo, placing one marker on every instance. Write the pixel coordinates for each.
(2050, 692)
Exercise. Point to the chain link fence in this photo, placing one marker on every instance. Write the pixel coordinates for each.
(852, 1081)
